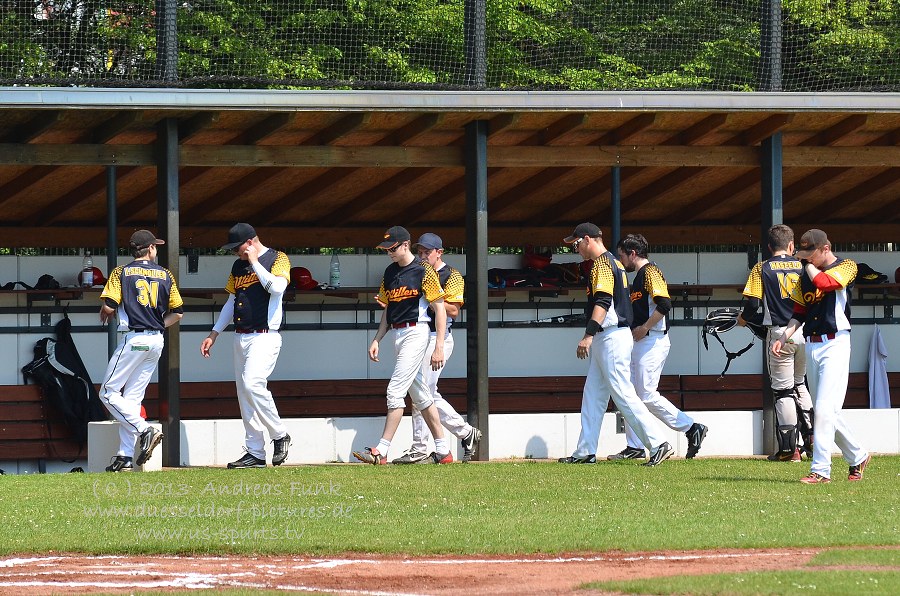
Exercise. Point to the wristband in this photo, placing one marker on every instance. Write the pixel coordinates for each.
(592, 327)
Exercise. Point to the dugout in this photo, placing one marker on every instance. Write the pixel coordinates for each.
(335, 168)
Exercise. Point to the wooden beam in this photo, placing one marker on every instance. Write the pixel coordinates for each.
(835, 133)
(410, 131)
(381, 192)
(210, 236)
(229, 194)
(33, 127)
(697, 131)
(417, 212)
(196, 124)
(694, 211)
(666, 183)
(555, 130)
(264, 129)
(337, 129)
(113, 127)
(625, 131)
(53, 212)
(142, 200)
(763, 130)
(530, 185)
(23, 182)
(829, 209)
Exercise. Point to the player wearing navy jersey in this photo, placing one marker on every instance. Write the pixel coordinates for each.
(609, 317)
(147, 301)
(774, 284)
(256, 284)
(823, 309)
(430, 249)
(409, 287)
(650, 303)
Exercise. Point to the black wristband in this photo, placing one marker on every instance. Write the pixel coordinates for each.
(592, 327)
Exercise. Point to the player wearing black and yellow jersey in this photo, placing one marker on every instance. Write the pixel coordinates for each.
(147, 301)
(409, 288)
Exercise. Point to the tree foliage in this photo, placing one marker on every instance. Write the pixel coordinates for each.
(554, 44)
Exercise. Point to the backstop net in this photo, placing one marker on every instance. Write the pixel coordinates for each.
(721, 45)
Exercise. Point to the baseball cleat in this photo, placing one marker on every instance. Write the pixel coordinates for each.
(412, 457)
(280, 452)
(148, 441)
(442, 458)
(371, 456)
(695, 435)
(120, 463)
(470, 444)
(627, 453)
(786, 456)
(587, 459)
(660, 454)
(247, 461)
(856, 472)
(814, 478)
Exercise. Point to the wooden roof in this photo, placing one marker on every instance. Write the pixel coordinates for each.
(337, 168)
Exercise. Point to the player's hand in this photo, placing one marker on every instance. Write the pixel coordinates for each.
(373, 351)
(437, 358)
(776, 347)
(207, 345)
(639, 333)
(584, 347)
(251, 253)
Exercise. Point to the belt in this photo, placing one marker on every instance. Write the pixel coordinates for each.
(402, 325)
(657, 331)
(817, 339)
(263, 330)
(142, 330)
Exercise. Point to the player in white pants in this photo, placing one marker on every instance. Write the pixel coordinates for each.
(147, 301)
(608, 342)
(430, 249)
(651, 304)
(823, 308)
(259, 276)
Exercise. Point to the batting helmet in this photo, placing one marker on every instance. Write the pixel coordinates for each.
(99, 280)
(301, 279)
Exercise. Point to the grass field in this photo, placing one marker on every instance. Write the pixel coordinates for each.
(500, 508)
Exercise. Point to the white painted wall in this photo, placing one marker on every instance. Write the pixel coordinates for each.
(342, 353)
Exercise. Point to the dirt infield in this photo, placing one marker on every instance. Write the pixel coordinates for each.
(365, 574)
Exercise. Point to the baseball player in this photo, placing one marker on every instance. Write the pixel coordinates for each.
(651, 303)
(609, 317)
(823, 309)
(774, 284)
(147, 301)
(408, 288)
(430, 249)
(257, 281)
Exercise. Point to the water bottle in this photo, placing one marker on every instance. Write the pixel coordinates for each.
(87, 270)
(334, 278)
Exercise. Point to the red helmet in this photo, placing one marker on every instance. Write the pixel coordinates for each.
(301, 279)
(99, 280)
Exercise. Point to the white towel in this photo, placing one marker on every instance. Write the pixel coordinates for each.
(879, 391)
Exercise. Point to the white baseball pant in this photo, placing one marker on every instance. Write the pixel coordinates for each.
(127, 375)
(450, 418)
(255, 356)
(829, 363)
(647, 361)
(411, 350)
(608, 375)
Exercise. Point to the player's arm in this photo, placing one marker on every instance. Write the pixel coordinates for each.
(173, 317)
(452, 309)
(440, 328)
(753, 292)
(379, 335)
(751, 307)
(107, 310)
(275, 281)
(226, 315)
(663, 306)
(594, 324)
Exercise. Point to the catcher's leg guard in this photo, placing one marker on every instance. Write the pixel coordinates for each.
(786, 417)
(805, 416)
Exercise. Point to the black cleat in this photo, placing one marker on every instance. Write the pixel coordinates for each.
(695, 435)
(148, 441)
(247, 461)
(412, 457)
(470, 444)
(281, 450)
(120, 463)
(627, 453)
(660, 454)
(587, 459)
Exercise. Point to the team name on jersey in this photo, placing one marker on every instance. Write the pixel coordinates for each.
(635, 296)
(401, 293)
(785, 265)
(242, 282)
(813, 297)
(143, 272)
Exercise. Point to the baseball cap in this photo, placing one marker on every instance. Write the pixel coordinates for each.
(144, 238)
(582, 230)
(430, 241)
(238, 234)
(811, 241)
(393, 237)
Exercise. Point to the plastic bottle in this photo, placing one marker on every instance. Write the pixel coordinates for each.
(87, 270)
(334, 278)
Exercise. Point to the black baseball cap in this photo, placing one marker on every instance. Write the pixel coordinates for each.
(144, 239)
(811, 241)
(430, 241)
(582, 230)
(393, 237)
(238, 234)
